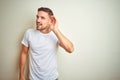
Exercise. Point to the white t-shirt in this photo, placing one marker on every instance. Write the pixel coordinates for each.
(42, 57)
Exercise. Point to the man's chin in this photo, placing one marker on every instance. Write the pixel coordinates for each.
(38, 28)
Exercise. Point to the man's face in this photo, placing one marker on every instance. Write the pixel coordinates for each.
(42, 20)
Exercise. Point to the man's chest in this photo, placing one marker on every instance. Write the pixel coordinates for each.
(42, 42)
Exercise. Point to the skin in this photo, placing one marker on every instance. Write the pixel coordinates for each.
(45, 24)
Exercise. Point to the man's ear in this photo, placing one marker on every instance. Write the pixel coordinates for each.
(53, 20)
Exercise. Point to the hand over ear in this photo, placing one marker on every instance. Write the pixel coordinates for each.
(53, 22)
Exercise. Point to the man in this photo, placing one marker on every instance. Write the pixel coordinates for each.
(42, 43)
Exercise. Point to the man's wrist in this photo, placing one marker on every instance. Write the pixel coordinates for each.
(55, 30)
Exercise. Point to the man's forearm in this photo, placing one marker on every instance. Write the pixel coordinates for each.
(23, 57)
(63, 41)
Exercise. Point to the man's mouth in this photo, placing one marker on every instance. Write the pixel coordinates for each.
(39, 24)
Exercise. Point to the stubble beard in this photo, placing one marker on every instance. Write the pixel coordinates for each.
(39, 26)
(42, 28)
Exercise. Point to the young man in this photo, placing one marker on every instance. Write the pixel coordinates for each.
(42, 43)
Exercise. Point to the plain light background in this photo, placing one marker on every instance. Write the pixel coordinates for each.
(92, 25)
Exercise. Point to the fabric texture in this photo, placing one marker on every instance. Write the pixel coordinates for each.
(42, 54)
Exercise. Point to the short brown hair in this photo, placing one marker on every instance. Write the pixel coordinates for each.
(45, 9)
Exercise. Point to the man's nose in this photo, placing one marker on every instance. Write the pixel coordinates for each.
(38, 20)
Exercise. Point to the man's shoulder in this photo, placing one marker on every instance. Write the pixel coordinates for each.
(30, 30)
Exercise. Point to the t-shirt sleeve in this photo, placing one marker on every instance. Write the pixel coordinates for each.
(25, 39)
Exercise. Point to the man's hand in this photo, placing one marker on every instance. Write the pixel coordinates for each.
(54, 23)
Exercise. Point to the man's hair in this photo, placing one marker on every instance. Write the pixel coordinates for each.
(45, 9)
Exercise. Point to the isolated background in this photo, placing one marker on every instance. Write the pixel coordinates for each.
(92, 25)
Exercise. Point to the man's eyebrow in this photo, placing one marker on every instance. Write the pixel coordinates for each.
(37, 16)
(42, 17)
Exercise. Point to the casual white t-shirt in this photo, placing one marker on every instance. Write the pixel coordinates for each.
(42, 57)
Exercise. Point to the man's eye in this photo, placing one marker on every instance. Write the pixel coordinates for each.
(37, 16)
(42, 18)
